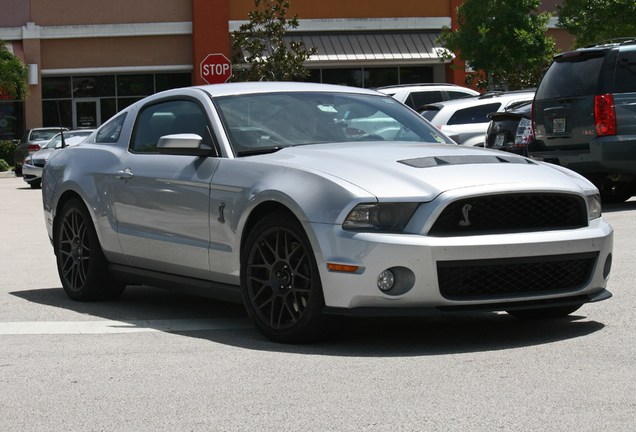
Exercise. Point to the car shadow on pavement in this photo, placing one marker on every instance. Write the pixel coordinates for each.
(627, 205)
(368, 337)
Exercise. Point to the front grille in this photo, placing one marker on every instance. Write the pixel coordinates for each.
(39, 162)
(511, 213)
(487, 279)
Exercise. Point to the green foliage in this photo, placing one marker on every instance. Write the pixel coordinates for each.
(13, 75)
(505, 39)
(7, 149)
(592, 21)
(261, 53)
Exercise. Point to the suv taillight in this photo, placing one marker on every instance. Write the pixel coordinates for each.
(604, 115)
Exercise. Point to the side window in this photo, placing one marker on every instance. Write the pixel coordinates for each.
(625, 78)
(425, 98)
(109, 133)
(456, 95)
(168, 118)
(478, 114)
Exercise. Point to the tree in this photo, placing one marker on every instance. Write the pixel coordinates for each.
(505, 40)
(13, 75)
(260, 50)
(592, 21)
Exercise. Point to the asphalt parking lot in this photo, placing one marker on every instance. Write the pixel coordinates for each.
(160, 361)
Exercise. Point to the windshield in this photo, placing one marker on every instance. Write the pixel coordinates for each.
(56, 141)
(257, 123)
(43, 134)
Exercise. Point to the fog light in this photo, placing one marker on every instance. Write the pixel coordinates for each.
(386, 280)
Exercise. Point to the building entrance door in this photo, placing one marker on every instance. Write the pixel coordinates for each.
(86, 113)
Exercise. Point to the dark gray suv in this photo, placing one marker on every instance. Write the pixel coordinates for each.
(584, 116)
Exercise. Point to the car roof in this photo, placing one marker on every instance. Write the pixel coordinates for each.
(421, 86)
(252, 87)
(482, 99)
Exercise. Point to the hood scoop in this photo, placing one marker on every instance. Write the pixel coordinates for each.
(435, 161)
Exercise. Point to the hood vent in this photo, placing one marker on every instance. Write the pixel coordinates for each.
(434, 161)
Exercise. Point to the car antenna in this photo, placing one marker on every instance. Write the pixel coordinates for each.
(59, 119)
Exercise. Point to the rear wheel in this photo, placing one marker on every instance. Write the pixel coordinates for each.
(81, 264)
(552, 312)
(280, 282)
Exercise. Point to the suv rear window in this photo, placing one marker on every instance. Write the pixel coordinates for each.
(571, 77)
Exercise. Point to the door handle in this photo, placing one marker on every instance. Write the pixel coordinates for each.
(124, 175)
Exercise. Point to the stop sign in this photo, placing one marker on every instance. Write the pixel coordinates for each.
(215, 69)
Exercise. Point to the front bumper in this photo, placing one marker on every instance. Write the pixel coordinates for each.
(31, 173)
(416, 260)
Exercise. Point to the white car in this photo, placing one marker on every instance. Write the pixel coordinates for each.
(305, 201)
(34, 162)
(417, 95)
(466, 120)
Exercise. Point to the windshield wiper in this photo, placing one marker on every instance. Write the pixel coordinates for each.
(260, 151)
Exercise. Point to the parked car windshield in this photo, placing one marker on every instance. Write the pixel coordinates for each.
(275, 120)
(43, 135)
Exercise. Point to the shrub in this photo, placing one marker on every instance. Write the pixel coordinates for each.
(7, 148)
(4, 166)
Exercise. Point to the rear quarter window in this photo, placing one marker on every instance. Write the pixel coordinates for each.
(571, 77)
(476, 114)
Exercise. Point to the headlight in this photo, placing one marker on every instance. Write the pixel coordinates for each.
(593, 206)
(385, 217)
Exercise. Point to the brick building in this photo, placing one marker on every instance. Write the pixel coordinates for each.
(89, 59)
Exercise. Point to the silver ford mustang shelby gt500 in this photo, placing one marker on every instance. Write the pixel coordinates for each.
(305, 201)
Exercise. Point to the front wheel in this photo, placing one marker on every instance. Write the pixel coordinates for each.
(81, 264)
(280, 283)
(550, 312)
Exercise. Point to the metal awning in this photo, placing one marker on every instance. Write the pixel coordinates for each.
(376, 48)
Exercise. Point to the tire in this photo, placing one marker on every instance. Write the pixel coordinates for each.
(280, 283)
(614, 192)
(36, 184)
(81, 264)
(542, 313)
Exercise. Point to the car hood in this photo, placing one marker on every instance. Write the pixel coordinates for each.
(423, 171)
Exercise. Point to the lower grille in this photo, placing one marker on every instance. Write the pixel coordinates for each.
(487, 279)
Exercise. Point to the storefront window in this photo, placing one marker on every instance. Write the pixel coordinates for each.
(11, 119)
(135, 85)
(108, 108)
(416, 74)
(350, 77)
(94, 86)
(56, 87)
(57, 112)
(172, 80)
(378, 77)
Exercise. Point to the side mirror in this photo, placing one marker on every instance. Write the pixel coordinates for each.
(187, 144)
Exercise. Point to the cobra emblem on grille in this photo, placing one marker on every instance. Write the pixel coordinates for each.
(465, 222)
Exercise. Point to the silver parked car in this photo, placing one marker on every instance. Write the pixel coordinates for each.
(305, 201)
(34, 163)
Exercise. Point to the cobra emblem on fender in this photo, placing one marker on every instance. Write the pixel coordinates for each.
(465, 222)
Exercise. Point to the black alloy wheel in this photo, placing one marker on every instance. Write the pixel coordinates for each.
(81, 264)
(280, 282)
